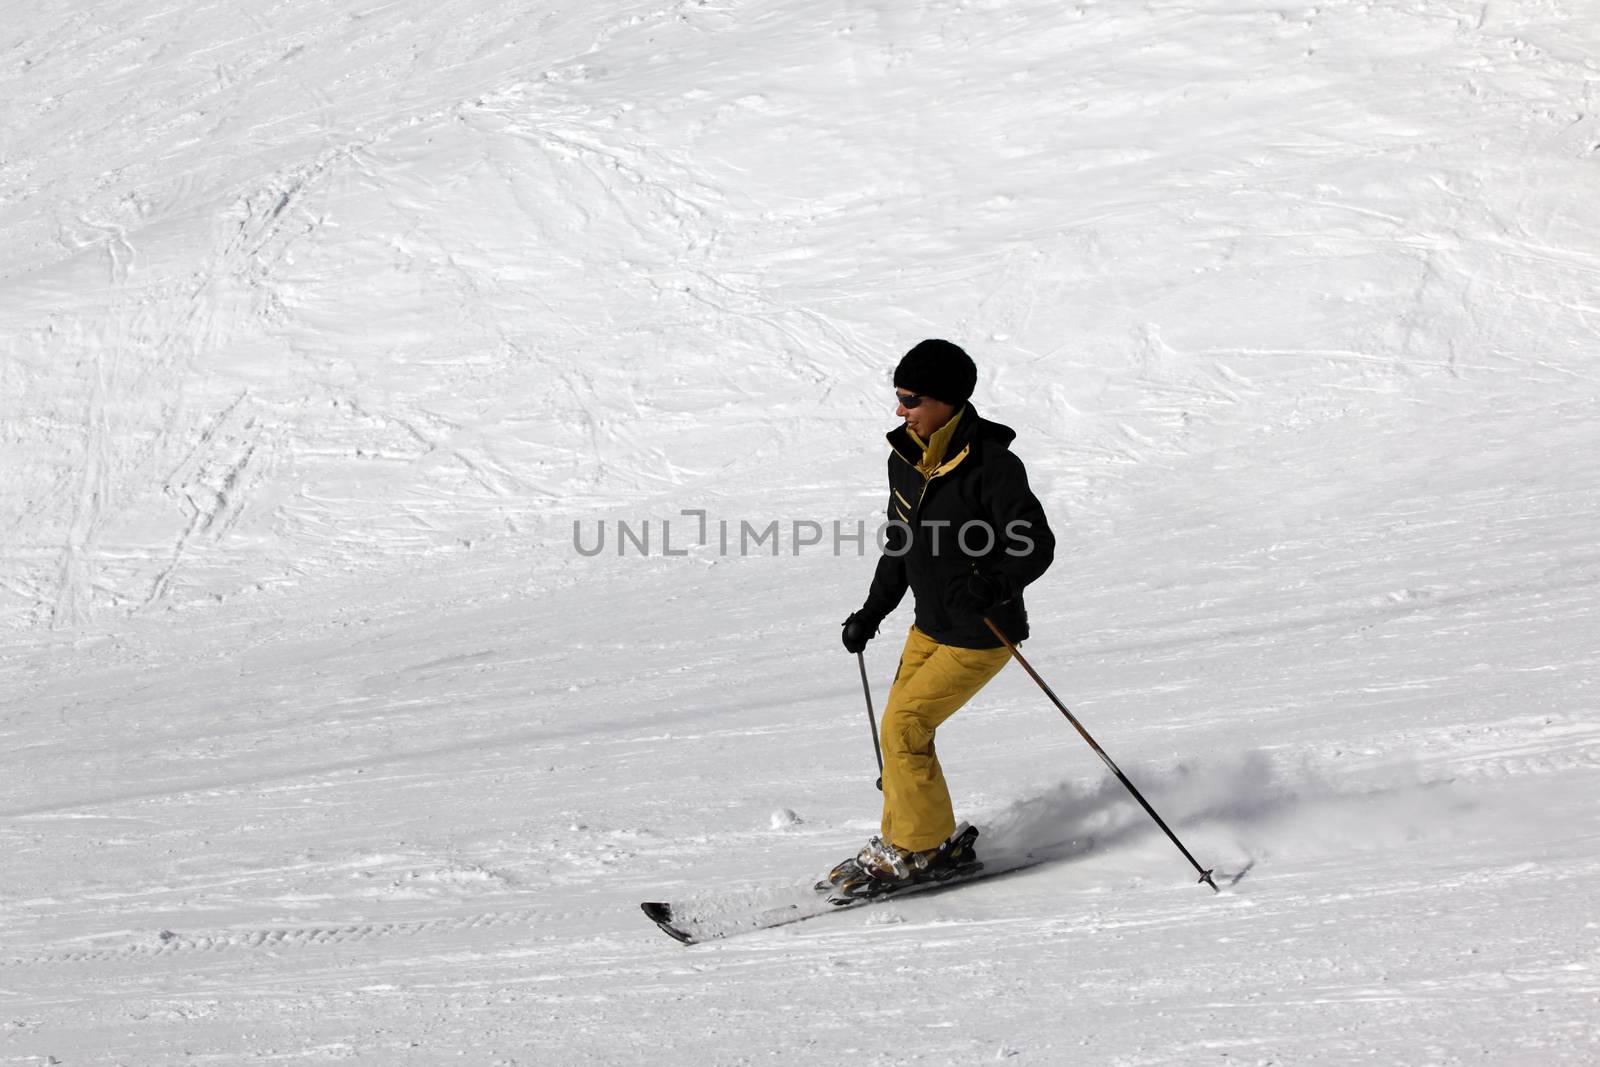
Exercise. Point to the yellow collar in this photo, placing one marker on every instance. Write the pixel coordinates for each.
(933, 450)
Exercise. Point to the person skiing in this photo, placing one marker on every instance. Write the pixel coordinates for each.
(965, 535)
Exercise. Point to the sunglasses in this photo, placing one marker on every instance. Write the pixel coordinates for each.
(909, 400)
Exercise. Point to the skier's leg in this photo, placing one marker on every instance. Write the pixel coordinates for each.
(918, 647)
(933, 683)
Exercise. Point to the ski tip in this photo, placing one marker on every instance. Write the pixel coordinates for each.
(661, 914)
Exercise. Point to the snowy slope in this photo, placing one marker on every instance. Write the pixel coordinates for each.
(321, 327)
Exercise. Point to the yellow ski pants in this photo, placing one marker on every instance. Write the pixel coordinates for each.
(932, 684)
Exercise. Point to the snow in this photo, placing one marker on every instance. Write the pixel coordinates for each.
(324, 329)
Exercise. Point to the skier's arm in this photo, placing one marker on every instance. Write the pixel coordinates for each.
(1026, 545)
(889, 580)
(888, 587)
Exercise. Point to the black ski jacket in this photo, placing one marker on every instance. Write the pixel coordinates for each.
(974, 512)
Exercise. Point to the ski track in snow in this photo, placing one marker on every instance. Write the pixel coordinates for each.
(168, 942)
(320, 328)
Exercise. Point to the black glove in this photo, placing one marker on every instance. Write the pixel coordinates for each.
(858, 630)
(979, 593)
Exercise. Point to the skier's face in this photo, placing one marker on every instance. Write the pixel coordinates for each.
(926, 416)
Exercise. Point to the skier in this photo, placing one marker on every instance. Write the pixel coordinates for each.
(965, 535)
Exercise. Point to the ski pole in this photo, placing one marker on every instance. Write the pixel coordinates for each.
(861, 661)
(1205, 874)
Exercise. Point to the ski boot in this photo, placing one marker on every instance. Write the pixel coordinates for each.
(845, 870)
(849, 868)
(882, 867)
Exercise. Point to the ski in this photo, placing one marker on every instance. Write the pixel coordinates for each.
(694, 926)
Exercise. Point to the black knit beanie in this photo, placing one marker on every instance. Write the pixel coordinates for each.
(938, 369)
